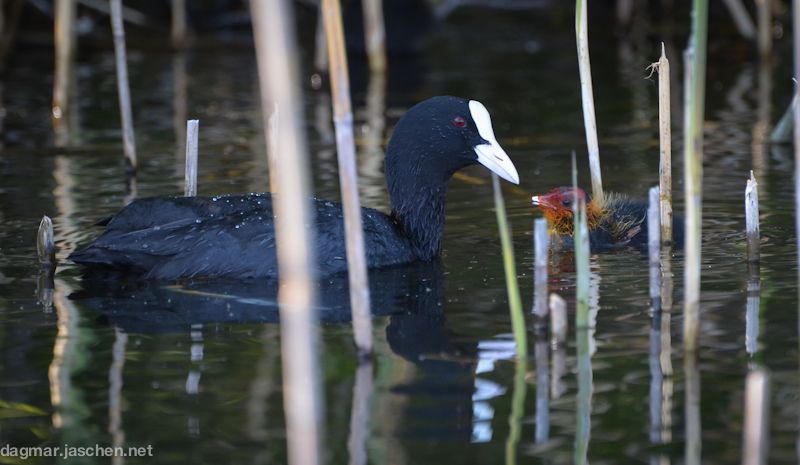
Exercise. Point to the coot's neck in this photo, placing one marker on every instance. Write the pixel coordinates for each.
(418, 209)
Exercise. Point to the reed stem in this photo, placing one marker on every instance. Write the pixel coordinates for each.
(665, 138)
(581, 241)
(190, 177)
(764, 17)
(348, 177)
(741, 18)
(276, 53)
(751, 219)
(587, 96)
(123, 88)
(178, 23)
(796, 34)
(64, 39)
(514, 300)
(693, 176)
(375, 35)
(541, 245)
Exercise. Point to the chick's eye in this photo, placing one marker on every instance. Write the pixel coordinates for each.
(566, 202)
(459, 121)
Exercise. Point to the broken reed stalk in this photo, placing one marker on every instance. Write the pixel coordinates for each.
(178, 23)
(654, 246)
(276, 53)
(581, 245)
(129, 144)
(348, 176)
(541, 244)
(751, 218)
(190, 176)
(45, 243)
(375, 35)
(782, 134)
(756, 418)
(764, 18)
(558, 320)
(693, 174)
(665, 138)
(512, 287)
(587, 96)
(64, 38)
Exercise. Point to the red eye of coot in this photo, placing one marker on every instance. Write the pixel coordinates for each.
(459, 121)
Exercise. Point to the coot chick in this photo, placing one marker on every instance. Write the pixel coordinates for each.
(614, 222)
(234, 236)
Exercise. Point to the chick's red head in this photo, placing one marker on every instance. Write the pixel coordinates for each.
(559, 201)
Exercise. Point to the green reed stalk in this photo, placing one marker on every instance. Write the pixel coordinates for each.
(512, 287)
(581, 240)
(693, 175)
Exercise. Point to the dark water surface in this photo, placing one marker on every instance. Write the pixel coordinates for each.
(194, 369)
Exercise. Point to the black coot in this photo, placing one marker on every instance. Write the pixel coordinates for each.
(234, 236)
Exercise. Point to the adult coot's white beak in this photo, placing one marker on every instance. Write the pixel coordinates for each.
(491, 155)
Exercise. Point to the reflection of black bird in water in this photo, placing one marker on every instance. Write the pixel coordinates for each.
(412, 297)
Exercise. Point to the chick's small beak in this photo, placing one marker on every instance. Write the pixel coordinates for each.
(535, 201)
